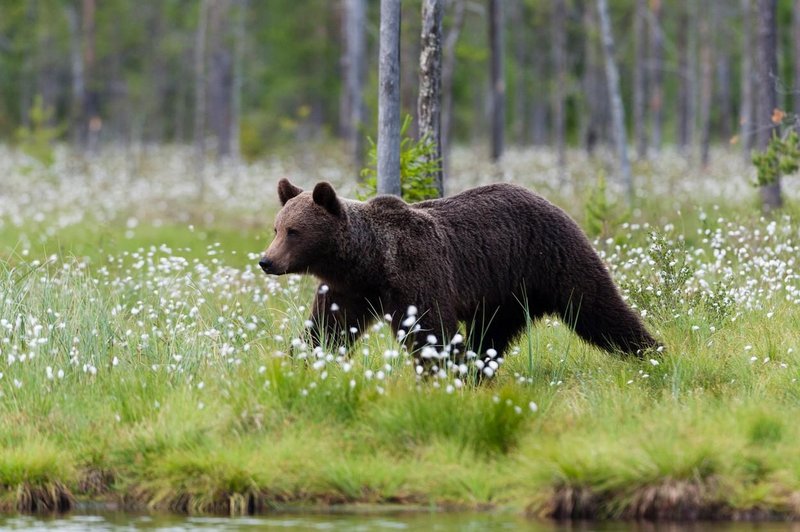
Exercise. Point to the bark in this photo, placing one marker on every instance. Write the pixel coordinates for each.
(354, 61)
(91, 106)
(796, 54)
(747, 109)
(448, 66)
(640, 78)
(220, 82)
(656, 44)
(617, 110)
(521, 68)
(593, 88)
(498, 87)
(389, 99)
(723, 91)
(559, 38)
(706, 78)
(429, 106)
(240, 37)
(200, 95)
(687, 80)
(76, 71)
(767, 94)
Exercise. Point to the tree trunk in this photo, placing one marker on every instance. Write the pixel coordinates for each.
(91, 107)
(747, 109)
(354, 62)
(656, 72)
(617, 110)
(796, 54)
(200, 95)
(498, 87)
(389, 99)
(429, 106)
(706, 79)
(520, 30)
(767, 92)
(724, 95)
(76, 70)
(240, 37)
(559, 39)
(640, 78)
(448, 66)
(594, 90)
(220, 76)
(686, 88)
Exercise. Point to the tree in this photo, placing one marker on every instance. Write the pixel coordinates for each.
(429, 106)
(706, 79)
(767, 94)
(746, 107)
(389, 99)
(91, 106)
(796, 54)
(640, 78)
(448, 65)
(559, 49)
(656, 45)
(200, 95)
(238, 77)
(353, 111)
(220, 82)
(686, 83)
(617, 110)
(498, 87)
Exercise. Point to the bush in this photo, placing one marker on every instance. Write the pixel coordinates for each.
(417, 167)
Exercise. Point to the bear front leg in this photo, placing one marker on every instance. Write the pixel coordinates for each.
(336, 320)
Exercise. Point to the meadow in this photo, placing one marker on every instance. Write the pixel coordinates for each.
(144, 356)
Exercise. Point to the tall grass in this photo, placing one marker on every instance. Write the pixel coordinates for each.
(147, 365)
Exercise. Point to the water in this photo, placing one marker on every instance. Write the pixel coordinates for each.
(364, 522)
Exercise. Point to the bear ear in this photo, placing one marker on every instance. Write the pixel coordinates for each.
(325, 196)
(287, 191)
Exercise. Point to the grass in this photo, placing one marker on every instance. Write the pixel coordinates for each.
(145, 363)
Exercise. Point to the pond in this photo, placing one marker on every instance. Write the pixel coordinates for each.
(402, 520)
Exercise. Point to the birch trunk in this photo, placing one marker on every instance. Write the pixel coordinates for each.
(429, 105)
(617, 110)
(354, 63)
(389, 99)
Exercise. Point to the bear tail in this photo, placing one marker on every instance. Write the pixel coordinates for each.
(609, 323)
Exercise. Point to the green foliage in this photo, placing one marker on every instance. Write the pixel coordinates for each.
(668, 291)
(602, 215)
(417, 167)
(781, 157)
(37, 139)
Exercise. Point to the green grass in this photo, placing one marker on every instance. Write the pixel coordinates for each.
(168, 387)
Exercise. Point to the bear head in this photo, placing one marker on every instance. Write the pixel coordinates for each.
(306, 229)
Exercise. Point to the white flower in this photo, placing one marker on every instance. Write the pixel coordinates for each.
(323, 289)
(334, 307)
(412, 311)
(654, 362)
(533, 406)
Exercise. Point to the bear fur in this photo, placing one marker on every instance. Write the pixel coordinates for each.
(478, 257)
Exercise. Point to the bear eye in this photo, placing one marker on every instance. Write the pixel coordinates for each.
(292, 232)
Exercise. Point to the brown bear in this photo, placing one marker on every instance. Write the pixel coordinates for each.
(491, 257)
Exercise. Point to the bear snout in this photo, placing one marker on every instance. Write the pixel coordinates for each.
(266, 265)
